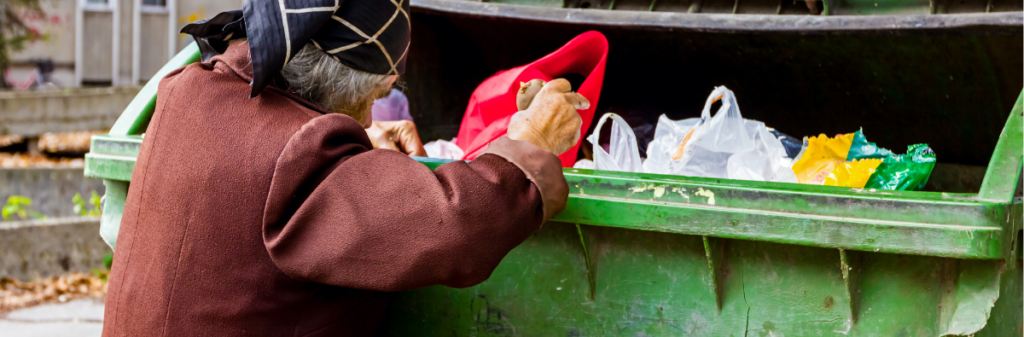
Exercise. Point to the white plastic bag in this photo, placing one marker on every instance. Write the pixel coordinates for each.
(723, 146)
(443, 149)
(623, 152)
(667, 137)
(584, 164)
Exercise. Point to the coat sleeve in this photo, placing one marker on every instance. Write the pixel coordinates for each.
(339, 213)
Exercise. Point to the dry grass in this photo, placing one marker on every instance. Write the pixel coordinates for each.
(22, 160)
(66, 142)
(15, 294)
(9, 140)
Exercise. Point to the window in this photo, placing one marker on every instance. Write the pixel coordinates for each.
(95, 5)
(154, 6)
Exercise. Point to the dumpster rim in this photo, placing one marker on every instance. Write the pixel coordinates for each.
(722, 22)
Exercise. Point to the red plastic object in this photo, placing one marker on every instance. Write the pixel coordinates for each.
(494, 102)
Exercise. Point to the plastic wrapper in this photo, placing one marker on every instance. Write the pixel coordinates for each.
(643, 127)
(860, 148)
(793, 145)
(644, 132)
(723, 146)
(623, 153)
(667, 137)
(908, 172)
(584, 164)
(852, 173)
(443, 149)
(823, 162)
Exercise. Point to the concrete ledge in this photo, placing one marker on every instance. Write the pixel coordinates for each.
(51, 189)
(32, 113)
(37, 249)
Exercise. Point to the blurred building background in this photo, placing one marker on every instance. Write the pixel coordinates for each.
(123, 42)
(87, 62)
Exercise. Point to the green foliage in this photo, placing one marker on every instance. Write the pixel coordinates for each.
(18, 205)
(80, 205)
(103, 274)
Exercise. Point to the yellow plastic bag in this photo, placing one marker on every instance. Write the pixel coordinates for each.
(852, 174)
(824, 163)
(814, 171)
(821, 157)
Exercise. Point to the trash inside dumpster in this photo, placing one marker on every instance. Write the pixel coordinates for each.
(493, 102)
(725, 145)
(779, 220)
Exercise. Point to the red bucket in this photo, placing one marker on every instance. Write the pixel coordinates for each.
(494, 102)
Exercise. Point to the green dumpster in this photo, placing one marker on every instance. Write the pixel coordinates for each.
(642, 254)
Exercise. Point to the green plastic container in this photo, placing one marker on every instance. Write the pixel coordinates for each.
(654, 255)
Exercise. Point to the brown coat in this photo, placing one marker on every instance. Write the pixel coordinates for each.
(268, 216)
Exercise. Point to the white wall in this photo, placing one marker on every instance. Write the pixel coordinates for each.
(97, 46)
(153, 41)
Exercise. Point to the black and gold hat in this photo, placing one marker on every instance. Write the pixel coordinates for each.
(368, 35)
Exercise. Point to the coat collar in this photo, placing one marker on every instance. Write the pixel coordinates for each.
(235, 61)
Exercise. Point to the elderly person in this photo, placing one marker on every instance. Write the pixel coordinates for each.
(259, 205)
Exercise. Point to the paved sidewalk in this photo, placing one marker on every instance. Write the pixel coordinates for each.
(75, 318)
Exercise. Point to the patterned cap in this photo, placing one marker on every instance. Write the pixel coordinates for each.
(368, 35)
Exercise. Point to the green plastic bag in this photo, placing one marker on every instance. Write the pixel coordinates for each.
(908, 172)
(861, 148)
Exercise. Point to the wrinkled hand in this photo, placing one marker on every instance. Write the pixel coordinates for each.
(547, 116)
(400, 136)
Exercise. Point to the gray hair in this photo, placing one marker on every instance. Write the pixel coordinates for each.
(320, 78)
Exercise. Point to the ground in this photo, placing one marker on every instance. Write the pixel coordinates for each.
(83, 317)
(64, 305)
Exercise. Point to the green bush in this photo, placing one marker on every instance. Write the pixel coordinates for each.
(80, 208)
(18, 205)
